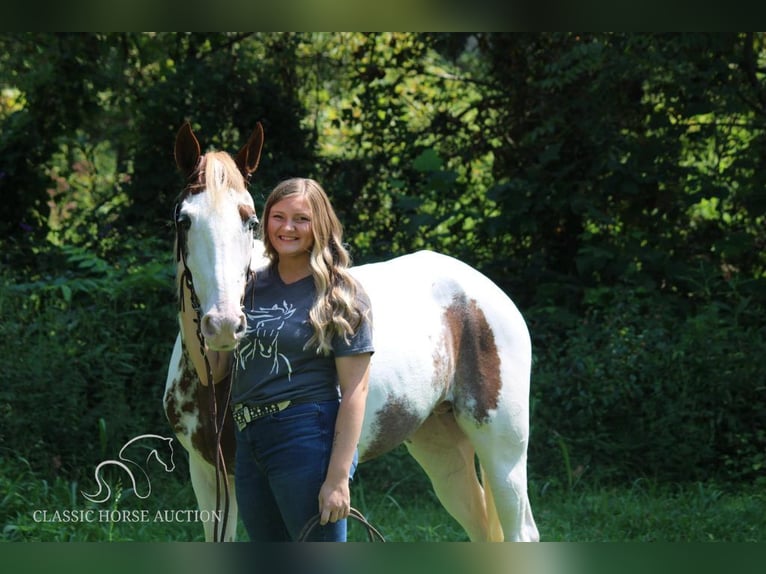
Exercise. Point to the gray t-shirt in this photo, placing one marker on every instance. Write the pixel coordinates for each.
(272, 364)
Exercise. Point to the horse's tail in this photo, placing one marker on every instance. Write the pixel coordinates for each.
(494, 528)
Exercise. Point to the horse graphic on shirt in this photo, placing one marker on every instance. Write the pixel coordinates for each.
(267, 325)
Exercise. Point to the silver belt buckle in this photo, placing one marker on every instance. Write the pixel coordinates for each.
(239, 412)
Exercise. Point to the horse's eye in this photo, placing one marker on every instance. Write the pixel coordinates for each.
(252, 223)
(183, 221)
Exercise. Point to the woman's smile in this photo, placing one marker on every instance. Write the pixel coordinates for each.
(289, 227)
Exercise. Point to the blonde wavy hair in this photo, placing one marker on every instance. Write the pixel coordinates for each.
(336, 310)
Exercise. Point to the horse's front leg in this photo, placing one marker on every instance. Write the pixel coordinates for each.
(204, 484)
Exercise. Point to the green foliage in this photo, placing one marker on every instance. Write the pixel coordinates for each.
(650, 511)
(59, 78)
(400, 183)
(75, 346)
(637, 389)
(95, 133)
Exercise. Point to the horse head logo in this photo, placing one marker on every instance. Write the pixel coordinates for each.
(160, 448)
(267, 323)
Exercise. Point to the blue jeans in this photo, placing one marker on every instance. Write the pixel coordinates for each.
(281, 464)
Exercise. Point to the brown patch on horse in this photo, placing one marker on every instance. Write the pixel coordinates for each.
(203, 439)
(477, 381)
(179, 400)
(173, 411)
(245, 212)
(394, 423)
(189, 397)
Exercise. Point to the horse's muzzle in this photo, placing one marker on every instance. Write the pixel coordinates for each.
(222, 331)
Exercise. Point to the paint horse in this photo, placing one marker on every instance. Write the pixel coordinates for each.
(449, 377)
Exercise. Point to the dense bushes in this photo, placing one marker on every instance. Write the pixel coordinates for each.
(639, 389)
(84, 339)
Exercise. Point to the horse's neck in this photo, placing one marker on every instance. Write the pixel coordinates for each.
(139, 447)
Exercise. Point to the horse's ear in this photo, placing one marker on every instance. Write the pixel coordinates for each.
(250, 154)
(187, 150)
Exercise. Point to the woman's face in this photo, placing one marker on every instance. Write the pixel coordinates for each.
(289, 227)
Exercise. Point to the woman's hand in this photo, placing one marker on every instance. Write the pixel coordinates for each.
(334, 501)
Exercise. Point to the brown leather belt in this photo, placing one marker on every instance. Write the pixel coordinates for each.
(244, 414)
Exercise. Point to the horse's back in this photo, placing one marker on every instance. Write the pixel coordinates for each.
(444, 334)
(424, 287)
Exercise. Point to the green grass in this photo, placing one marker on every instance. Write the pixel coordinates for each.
(649, 512)
(25, 494)
(406, 510)
(402, 518)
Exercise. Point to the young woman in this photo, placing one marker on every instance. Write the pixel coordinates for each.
(300, 374)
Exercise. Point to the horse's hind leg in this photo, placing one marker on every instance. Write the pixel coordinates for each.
(504, 473)
(204, 483)
(446, 455)
(495, 528)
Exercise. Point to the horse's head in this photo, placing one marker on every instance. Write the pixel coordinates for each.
(216, 222)
(169, 464)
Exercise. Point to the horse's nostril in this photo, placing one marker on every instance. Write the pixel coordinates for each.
(207, 326)
(242, 327)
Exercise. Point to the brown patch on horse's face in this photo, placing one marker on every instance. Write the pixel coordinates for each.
(394, 423)
(476, 361)
(245, 212)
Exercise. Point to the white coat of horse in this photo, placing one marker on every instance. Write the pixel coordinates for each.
(449, 377)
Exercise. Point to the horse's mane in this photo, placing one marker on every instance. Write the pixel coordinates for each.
(217, 173)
